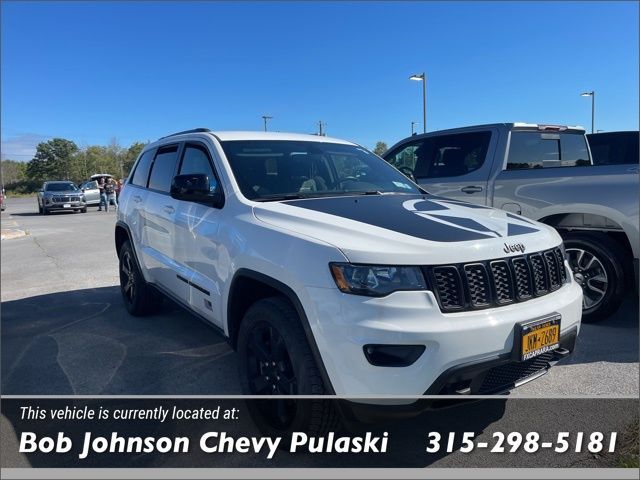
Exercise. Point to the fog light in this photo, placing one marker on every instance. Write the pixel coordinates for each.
(393, 355)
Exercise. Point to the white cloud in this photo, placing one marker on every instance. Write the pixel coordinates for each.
(21, 147)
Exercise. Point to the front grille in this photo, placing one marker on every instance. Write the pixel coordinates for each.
(65, 198)
(478, 282)
(449, 287)
(497, 282)
(506, 376)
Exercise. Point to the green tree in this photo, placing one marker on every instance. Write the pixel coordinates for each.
(54, 160)
(380, 148)
(12, 171)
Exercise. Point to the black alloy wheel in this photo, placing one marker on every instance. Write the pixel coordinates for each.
(275, 360)
(270, 372)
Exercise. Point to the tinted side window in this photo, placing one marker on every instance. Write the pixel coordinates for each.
(547, 150)
(573, 151)
(451, 155)
(141, 173)
(405, 157)
(195, 159)
(614, 148)
(533, 150)
(163, 168)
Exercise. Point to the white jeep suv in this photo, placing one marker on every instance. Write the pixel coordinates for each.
(332, 273)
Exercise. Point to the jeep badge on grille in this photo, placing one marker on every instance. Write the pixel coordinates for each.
(516, 247)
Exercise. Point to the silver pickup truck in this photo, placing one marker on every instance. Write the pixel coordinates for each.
(543, 172)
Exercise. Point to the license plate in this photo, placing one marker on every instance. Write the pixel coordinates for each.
(66, 205)
(539, 337)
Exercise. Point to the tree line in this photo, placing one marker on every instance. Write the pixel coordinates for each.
(62, 159)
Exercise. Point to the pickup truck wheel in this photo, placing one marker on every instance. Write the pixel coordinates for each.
(275, 359)
(596, 266)
(139, 297)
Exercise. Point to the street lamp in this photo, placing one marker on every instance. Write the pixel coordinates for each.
(423, 78)
(591, 94)
(265, 118)
(413, 124)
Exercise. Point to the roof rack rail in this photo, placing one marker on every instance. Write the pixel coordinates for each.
(193, 130)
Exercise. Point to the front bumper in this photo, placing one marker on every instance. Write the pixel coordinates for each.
(75, 205)
(342, 324)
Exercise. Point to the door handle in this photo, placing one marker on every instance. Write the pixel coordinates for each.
(137, 198)
(169, 209)
(471, 189)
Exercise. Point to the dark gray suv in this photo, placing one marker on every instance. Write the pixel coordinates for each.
(60, 196)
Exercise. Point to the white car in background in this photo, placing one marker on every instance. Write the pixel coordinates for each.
(90, 188)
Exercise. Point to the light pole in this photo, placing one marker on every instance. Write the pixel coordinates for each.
(423, 78)
(413, 130)
(591, 94)
(265, 118)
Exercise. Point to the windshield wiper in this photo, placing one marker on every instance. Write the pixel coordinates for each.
(301, 195)
(277, 197)
(368, 192)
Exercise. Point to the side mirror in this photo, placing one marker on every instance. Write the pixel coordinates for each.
(196, 187)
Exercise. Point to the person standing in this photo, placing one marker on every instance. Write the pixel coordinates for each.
(118, 188)
(103, 194)
(110, 190)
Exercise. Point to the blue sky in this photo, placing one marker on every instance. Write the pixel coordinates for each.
(93, 71)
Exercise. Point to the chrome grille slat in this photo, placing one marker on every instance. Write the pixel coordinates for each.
(65, 198)
(498, 282)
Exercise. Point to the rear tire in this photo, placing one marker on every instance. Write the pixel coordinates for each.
(139, 297)
(275, 359)
(597, 267)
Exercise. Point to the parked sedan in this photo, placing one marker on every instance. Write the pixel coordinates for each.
(60, 196)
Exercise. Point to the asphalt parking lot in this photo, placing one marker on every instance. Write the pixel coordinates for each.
(65, 331)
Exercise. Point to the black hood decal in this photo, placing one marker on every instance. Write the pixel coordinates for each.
(429, 218)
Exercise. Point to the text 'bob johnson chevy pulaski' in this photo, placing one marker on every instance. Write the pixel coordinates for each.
(210, 442)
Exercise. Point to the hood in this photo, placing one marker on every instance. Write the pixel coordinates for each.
(409, 229)
(64, 193)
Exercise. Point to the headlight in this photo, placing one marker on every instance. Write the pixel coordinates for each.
(376, 280)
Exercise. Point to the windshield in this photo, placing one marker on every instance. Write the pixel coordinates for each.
(60, 187)
(281, 169)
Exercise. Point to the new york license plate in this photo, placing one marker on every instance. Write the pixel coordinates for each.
(539, 337)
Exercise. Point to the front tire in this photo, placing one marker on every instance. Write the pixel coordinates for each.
(597, 267)
(275, 359)
(139, 297)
